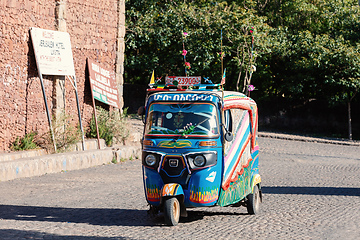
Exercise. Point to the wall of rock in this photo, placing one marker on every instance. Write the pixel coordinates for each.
(96, 29)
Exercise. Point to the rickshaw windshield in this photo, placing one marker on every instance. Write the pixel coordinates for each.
(188, 119)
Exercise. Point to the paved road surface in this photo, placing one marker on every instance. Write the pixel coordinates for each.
(311, 191)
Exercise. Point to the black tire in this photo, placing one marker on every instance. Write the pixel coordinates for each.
(172, 211)
(253, 201)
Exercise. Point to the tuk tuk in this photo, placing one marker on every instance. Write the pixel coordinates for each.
(199, 148)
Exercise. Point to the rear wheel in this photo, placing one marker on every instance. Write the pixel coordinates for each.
(172, 211)
(253, 201)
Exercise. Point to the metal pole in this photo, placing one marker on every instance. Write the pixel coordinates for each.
(78, 107)
(96, 122)
(47, 109)
(94, 107)
(44, 94)
(349, 120)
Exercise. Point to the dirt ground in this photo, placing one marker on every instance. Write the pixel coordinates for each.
(135, 126)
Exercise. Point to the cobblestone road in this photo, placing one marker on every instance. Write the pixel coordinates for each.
(310, 191)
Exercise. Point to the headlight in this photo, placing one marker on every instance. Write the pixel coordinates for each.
(199, 160)
(150, 160)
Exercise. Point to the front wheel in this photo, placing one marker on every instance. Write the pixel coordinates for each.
(253, 201)
(172, 211)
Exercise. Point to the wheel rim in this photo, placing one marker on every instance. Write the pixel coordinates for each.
(256, 201)
(176, 210)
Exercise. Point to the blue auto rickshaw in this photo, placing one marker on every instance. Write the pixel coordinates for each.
(199, 148)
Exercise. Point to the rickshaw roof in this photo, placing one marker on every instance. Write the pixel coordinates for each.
(229, 99)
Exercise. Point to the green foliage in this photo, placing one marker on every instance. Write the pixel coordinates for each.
(315, 52)
(114, 160)
(111, 125)
(154, 39)
(296, 44)
(25, 143)
(303, 49)
(65, 134)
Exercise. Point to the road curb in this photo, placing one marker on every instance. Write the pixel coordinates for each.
(54, 163)
(307, 139)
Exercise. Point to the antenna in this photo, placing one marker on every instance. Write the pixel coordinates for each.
(221, 54)
(185, 52)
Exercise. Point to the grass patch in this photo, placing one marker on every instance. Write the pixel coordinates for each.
(111, 124)
(25, 143)
(66, 134)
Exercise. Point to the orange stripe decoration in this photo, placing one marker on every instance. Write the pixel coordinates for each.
(169, 189)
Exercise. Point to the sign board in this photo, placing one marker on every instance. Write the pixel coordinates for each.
(183, 81)
(52, 52)
(103, 84)
(183, 97)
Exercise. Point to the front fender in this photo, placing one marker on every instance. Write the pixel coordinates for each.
(172, 190)
(256, 179)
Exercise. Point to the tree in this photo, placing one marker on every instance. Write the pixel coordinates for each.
(154, 39)
(319, 51)
(302, 49)
(344, 75)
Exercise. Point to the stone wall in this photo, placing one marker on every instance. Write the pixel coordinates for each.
(96, 30)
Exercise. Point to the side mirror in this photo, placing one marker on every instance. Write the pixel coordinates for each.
(141, 111)
(229, 136)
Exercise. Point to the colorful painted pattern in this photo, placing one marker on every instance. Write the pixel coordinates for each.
(239, 100)
(239, 155)
(175, 144)
(237, 190)
(201, 195)
(169, 189)
(153, 193)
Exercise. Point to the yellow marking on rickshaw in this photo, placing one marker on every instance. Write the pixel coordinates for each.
(175, 144)
(204, 197)
(257, 179)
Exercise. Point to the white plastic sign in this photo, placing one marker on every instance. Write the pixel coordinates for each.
(183, 81)
(52, 52)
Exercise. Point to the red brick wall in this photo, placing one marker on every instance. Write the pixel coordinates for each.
(92, 25)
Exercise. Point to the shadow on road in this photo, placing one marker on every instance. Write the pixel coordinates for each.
(94, 216)
(23, 234)
(311, 190)
(98, 216)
